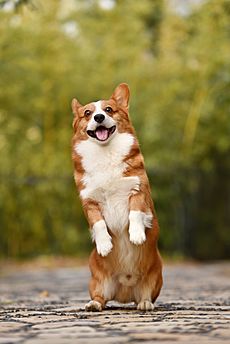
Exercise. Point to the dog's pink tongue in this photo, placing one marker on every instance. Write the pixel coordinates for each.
(102, 133)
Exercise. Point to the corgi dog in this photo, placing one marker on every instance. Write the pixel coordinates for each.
(115, 193)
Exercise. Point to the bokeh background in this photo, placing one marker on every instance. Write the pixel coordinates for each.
(175, 55)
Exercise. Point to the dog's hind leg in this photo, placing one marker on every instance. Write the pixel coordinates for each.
(97, 302)
(144, 300)
(102, 286)
(101, 291)
(148, 290)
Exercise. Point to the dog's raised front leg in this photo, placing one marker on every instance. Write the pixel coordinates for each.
(140, 218)
(102, 238)
(100, 233)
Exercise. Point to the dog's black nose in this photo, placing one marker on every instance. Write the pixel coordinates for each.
(99, 118)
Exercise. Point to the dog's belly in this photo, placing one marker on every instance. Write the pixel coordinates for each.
(128, 260)
(125, 262)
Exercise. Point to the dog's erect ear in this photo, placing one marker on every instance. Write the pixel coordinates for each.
(75, 105)
(121, 95)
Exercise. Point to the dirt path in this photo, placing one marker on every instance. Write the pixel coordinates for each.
(47, 306)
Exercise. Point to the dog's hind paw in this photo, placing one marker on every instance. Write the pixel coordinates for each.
(93, 306)
(145, 306)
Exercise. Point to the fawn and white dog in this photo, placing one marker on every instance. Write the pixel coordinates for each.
(115, 193)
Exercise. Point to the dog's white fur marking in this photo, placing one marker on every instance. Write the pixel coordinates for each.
(108, 121)
(138, 221)
(145, 305)
(104, 180)
(93, 306)
(102, 238)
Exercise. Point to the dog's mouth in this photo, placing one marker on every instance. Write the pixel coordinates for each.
(101, 133)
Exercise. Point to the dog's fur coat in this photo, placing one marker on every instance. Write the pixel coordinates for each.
(114, 189)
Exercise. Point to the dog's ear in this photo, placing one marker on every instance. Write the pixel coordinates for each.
(121, 95)
(75, 105)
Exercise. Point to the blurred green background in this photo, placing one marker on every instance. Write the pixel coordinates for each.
(175, 55)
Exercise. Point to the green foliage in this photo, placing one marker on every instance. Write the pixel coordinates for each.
(179, 72)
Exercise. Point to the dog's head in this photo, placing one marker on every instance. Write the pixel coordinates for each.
(101, 120)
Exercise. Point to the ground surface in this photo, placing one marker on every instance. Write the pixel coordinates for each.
(47, 306)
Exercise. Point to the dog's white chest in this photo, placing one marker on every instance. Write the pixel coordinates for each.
(104, 180)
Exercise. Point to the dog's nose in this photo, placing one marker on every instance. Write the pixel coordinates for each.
(99, 118)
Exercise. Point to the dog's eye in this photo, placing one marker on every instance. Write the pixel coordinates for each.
(108, 109)
(87, 113)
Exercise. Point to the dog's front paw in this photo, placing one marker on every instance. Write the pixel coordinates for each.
(104, 247)
(102, 238)
(136, 228)
(137, 233)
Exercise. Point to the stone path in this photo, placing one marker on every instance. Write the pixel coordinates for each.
(47, 306)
